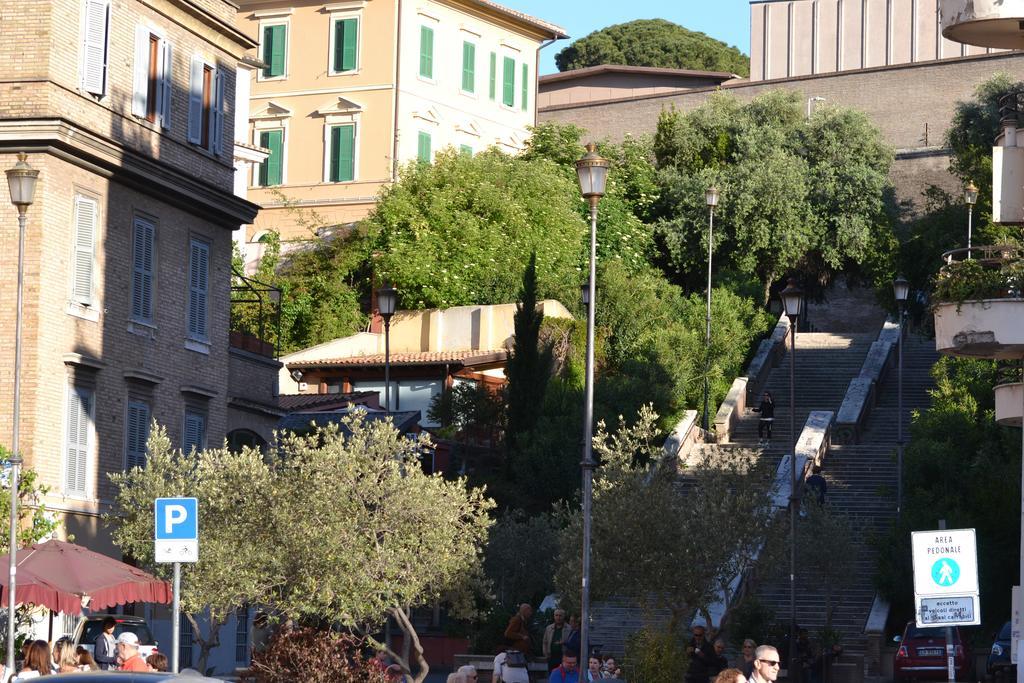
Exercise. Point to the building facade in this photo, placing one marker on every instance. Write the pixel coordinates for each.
(351, 90)
(804, 37)
(613, 82)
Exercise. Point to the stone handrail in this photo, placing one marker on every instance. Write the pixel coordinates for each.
(862, 392)
(731, 410)
(682, 438)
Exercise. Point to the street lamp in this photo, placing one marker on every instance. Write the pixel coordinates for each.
(711, 200)
(21, 180)
(792, 301)
(971, 197)
(810, 104)
(592, 171)
(901, 288)
(387, 298)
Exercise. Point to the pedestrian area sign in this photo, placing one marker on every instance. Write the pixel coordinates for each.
(946, 577)
(177, 529)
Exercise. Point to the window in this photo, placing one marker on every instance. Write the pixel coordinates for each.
(242, 635)
(142, 270)
(76, 439)
(136, 434)
(508, 83)
(468, 67)
(206, 106)
(85, 235)
(346, 45)
(423, 147)
(271, 169)
(193, 436)
(275, 37)
(494, 76)
(426, 52)
(466, 150)
(198, 284)
(95, 46)
(525, 84)
(342, 166)
(151, 99)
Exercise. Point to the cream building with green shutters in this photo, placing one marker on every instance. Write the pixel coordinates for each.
(351, 90)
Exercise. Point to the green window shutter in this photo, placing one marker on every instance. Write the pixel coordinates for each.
(468, 67)
(525, 86)
(508, 84)
(494, 75)
(423, 147)
(274, 38)
(271, 169)
(343, 153)
(346, 44)
(426, 52)
(466, 150)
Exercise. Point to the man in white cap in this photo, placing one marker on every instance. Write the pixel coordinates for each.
(128, 652)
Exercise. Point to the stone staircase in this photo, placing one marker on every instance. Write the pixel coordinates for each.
(862, 487)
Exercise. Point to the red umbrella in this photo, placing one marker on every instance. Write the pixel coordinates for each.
(59, 575)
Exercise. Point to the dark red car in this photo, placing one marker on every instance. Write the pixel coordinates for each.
(922, 655)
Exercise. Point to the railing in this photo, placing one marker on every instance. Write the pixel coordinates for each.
(987, 256)
(255, 306)
(1009, 371)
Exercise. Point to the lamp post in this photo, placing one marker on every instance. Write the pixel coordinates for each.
(901, 288)
(21, 180)
(811, 101)
(387, 298)
(971, 197)
(711, 199)
(592, 170)
(792, 301)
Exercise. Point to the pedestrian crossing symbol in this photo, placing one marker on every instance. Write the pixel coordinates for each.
(945, 572)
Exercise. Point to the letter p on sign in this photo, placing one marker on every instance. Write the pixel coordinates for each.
(176, 532)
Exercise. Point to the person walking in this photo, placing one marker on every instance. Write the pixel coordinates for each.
(764, 425)
(746, 661)
(105, 651)
(64, 656)
(128, 651)
(517, 633)
(766, 665)
(554, 636)
(37, 662)
(510, 666)
(593, 672)
(702, 656)
(718, 662)
(566, 671)
(816, 483)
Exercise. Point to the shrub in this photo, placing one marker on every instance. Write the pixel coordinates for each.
(655, 656)
(314, 656)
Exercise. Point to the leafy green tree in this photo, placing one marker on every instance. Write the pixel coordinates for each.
(797, 194)
(650, 523)
(827, 556)
(652, 42)
(529, 366)
(460, 231)
(520, 557)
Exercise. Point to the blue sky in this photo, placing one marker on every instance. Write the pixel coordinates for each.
(726, 20)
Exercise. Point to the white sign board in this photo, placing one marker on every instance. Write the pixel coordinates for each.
(177, 529)
(951, 610)
(946, 577)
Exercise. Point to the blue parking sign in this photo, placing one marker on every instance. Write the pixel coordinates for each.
(177, 519)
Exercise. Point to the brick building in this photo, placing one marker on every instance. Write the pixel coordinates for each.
(125, 108)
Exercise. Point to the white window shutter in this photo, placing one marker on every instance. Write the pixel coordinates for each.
(142, 270)
(94, 46)
(195, 101)
(136, 434)
(217, 115)
(164, 89)
(141, 81)
(77, 439)
(85, 235)
(199, 264)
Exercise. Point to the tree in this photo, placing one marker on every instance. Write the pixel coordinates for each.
(652, 42)
(529, 366)
(460, 231)
(349, 529)
(520, 557)
(828, 558)
(797, 194)
(35, 521)
(650, 523)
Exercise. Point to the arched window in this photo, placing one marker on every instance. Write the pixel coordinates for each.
(240, 438)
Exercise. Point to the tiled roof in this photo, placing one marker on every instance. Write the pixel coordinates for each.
(298, 402)
(647, 70)
(553, 29)
(404, 421)
(466, 357)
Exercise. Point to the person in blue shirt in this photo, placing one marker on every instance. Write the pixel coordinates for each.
(566, 671)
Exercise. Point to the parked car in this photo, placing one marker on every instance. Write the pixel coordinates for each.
(922, 655)
(999, 655)
(90, 627)
(186, 676)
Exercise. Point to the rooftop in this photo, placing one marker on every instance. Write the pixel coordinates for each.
(638, 70)
(553, 30)
(323, 402)
(462, 358)
(404, 421)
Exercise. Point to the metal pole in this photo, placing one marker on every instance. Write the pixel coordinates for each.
(707, 320)
(12, 582)
(950, 655)
(588, 438)
(970, 221)
(794, 502)
(1020, 652)
(387, 364)
(899, 420)
(176, 619)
